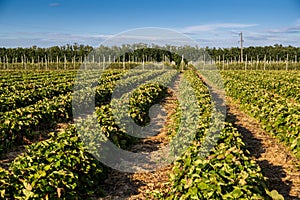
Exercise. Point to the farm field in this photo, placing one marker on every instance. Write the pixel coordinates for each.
(36, 111)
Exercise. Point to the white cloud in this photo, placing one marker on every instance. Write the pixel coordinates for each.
(212, 27)
(45, 39)
(227, 34)
(218, 35)
(286, 30)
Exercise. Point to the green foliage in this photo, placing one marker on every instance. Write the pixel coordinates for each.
(80, 51)
(227, 172)
(139, 101)
(272, 98)
(29, 92)
(23, 121)
(49, 106)
(59, 167)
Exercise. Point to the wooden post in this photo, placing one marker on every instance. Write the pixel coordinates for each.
(74, 62)
(257, 62)
(265, 62)
(46, 62)
(25, 61)
(85, 62)
(241, 34)
(287, 61)
(143, 63)
(6, 58)
(99, 62)
(103, 67)
(246, 62)
(182, 62)
(12, 62)
(223, 62)
(124, 62)
(38, 61)
(65, 62)
(57, 62)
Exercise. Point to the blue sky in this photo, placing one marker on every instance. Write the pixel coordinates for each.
(211, 23)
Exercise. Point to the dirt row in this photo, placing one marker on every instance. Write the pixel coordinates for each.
(280, 167)
(121, 185)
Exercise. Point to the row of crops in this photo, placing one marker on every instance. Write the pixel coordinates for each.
(261, 65)
(32, 110)
(226, 172)
(67, 66)
(62, 166)
(226, 65)
(271, 97)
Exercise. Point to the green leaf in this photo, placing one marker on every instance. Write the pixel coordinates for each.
(274, 195)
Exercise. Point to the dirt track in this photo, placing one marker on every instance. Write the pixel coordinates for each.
(277, 163)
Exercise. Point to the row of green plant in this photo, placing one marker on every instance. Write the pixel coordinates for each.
(9, 78)
(32, 82)
(41, 66)
(67, 66)
(261, 65)
(279, 115)
(28, 79)
(226, 171)
(57, 168)
(150, 89)
(282, 83)
(30, 96)
(138, 101)
(61, 167)
(24, 122)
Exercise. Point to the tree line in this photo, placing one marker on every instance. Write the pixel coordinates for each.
(139, 52)
(271, 53)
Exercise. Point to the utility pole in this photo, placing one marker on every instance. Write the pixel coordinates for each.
(241, 41)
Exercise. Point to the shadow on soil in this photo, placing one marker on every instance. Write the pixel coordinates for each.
(273, 173)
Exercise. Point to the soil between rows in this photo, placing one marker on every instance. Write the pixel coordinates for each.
(280, 167)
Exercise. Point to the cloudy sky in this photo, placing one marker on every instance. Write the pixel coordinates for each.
(214, 23)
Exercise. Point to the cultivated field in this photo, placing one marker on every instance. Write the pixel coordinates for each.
(256, 155)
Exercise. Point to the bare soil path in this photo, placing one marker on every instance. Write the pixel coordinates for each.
(280, 167)
(121, 185)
